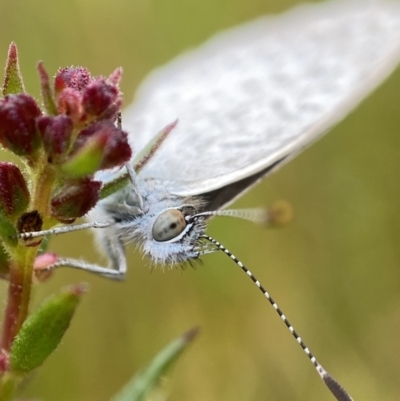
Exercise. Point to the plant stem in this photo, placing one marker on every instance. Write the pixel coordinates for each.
(22, 259)
(41, 192)
(19, 291)
(7, 387)
(12, 311)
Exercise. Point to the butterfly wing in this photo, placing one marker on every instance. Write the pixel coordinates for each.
(253, 97)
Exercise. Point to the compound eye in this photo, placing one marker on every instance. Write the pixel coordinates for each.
(168, 225)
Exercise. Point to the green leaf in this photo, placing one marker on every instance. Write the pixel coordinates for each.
(8, 233)
(4, 262)
(13, 82)
(139, 387)
(43, 330)
(45, 89)
(86, 161)
(113, 186)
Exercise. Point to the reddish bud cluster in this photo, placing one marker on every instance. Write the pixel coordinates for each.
(91, 105)
(78, 135)
(87, 99)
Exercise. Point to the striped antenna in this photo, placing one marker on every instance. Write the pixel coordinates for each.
(336, 389)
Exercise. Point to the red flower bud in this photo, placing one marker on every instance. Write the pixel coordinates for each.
(69, 102)
(110, 141)
(14, 194)
(102, 99)
(56, 135)
(75, 199)
(17, 124)
(71, 77)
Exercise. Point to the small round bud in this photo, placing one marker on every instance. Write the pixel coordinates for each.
(69, 102)
(14, 193)
(74, 199)
(103, 142)
(18, 115)
(56, 135)
(101, 99)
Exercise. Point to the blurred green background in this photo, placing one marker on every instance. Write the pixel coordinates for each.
(334, 270)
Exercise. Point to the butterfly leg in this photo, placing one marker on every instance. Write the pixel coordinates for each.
(82, 265)
(116, 254)
(65, 229)
(134, 183)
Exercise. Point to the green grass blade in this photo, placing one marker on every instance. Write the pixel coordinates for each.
(144, 382)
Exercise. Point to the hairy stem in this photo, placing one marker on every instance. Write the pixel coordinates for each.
(22, 259)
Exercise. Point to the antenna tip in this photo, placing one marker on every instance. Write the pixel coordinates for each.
(280, 213)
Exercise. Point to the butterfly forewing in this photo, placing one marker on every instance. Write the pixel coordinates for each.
(256, 95)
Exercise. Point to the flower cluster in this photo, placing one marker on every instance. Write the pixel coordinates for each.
(62, 142)
(73, 137)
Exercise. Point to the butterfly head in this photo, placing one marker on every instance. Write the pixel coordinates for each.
(168, 228)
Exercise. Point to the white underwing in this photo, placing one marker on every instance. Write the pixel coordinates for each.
(262, 92)
(248, 101)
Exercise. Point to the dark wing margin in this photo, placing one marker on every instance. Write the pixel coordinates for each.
(223, 196)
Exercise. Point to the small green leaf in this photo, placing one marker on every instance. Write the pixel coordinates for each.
(4, 262)
(13, 82)
(86, 161)
(8, 233)
(139, 387)
(47, 94)
(43, 330)
(113, 186)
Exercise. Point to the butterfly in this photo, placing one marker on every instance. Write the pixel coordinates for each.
(248, 101)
